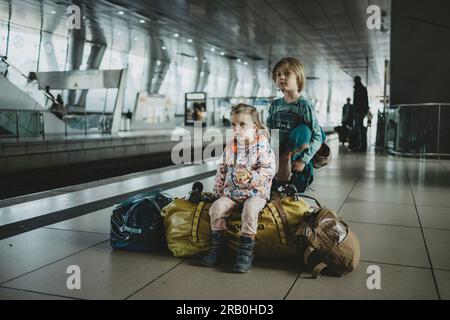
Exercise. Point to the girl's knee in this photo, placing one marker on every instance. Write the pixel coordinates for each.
(221, 207)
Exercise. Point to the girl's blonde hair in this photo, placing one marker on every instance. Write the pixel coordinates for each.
(295, 66)
(251, 110)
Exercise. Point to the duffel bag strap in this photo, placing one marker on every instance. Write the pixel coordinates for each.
(284, 219)
(276, 217)
(196, 222)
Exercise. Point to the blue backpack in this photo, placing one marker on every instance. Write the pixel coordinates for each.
(137, 225)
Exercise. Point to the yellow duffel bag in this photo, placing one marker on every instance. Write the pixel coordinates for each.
(188, 230)
(187, 227)
(277, 224)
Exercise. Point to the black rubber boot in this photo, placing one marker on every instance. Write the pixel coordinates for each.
(244, 257)
(218, 242)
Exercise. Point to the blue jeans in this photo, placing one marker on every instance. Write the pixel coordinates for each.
(302, 135)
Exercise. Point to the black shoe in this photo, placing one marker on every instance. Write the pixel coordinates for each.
(244, 257)
(218, 243)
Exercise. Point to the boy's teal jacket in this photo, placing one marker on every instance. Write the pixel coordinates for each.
(286, 116)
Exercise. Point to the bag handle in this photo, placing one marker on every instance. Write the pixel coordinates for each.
(301, 195)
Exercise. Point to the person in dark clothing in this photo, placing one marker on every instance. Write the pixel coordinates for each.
(347, 121)
(129, 115)
(360, 109)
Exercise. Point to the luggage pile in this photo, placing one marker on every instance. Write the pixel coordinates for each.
(288, 228)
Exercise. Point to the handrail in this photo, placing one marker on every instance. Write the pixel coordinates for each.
(28, 79)
(419, 104)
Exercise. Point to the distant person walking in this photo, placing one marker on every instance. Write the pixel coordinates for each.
(346, 121)
(360, 108)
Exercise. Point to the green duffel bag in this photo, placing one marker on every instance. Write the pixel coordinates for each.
(277, 224)
(187, 227)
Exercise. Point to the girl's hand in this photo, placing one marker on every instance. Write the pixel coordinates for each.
(298, 166)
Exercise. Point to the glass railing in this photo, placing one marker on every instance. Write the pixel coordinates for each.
(21, 123)
(416, 129)
(89, 123)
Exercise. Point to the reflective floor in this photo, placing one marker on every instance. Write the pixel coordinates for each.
(399, 209)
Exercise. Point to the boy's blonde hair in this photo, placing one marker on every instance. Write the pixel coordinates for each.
(251, 110)
(296, 66)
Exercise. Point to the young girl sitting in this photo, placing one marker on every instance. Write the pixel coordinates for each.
(244, 177)
(300, 135)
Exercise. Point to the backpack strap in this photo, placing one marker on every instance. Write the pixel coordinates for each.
(284, 219)
(318, 269)
(307, 253)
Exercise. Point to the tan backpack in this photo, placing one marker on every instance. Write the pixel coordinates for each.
(325, 241)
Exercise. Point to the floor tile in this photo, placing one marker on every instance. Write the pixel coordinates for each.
(28, 251)
(402, 196)
(105, 273)
(266, 280)
(426, 198)
(381, 213)
(391, 244)
(443, 283)
(13, 294)
(396, 282)
(437, 243)
(434, 217)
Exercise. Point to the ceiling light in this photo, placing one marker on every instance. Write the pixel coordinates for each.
(238, 60)
(136, 39)
(195, 58)
(212, 49)
(142, 21)
(245, 63)
(120, 12)
(189, 40)
(204, 61)
(222, 53)
(53, 12)
(163, 47)
(176, 35)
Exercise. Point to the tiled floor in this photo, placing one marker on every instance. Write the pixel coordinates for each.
(399, 209)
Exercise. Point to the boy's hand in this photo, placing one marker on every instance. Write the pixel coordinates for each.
(298, 166)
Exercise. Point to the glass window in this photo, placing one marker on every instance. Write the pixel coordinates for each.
(53, 53)
(23, 52)
(3, 37)
(135, 83)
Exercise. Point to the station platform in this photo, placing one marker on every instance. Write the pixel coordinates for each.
(399, 208)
